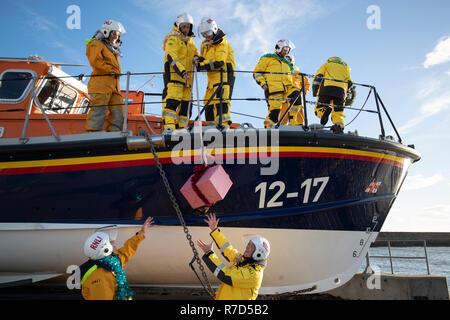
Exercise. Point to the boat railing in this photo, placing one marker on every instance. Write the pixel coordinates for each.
(23, 138)
(380, 107)
(392, 257)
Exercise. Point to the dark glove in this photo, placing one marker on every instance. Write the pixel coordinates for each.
(218, 64)
(200, 67)
(317, 81)
(315, 88)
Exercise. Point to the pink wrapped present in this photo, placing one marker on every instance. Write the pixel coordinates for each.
(212, 185)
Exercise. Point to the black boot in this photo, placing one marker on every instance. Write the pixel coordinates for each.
(337, 129)
(325, 116)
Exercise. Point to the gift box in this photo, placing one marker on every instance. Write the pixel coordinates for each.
(212, 186)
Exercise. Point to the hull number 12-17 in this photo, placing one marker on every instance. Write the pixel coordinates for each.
(318, 184)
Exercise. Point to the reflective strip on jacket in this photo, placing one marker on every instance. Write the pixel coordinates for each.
(219, 51)
(179, 55)
(102, 61)
(101, 284)
(238, 282)
(334, 68)
(276, 82)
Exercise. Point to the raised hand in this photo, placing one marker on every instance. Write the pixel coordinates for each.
(204, 246)
(212, 221)
(147, 224)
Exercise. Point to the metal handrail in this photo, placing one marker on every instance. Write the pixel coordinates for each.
(391, 257)
(125, 122)
(378, 101)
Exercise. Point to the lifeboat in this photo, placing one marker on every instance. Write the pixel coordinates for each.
(320, 198)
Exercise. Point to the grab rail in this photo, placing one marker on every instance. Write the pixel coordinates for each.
(391, 257)
(379, 103)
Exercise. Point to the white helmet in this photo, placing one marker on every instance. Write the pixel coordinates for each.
(111, 25)
(262, 248)
(291, 57)
(284, 43)
(207, 26)
(184, 18)
(98, 246)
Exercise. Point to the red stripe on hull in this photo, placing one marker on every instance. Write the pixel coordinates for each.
(188, 160)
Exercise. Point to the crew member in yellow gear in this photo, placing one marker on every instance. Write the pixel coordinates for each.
(216, 54)
(103, 52)
(180, 54)
(296, 115)
(331, 92)
(103, 277)
(243, 279)
(274, 74)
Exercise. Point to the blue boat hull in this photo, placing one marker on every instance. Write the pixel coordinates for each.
(323, 204)
(126, 192)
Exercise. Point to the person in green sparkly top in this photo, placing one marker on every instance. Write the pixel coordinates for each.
(103, 277)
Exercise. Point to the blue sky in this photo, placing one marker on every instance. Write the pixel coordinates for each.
(407, 58)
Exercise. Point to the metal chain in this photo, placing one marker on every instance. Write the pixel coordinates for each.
(180, 216)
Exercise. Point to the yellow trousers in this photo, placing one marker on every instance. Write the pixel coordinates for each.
(175, 108)
(337, 109)
(295, 115)
(212, 111)
(275, 102)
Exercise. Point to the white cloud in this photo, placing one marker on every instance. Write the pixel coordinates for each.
(419, 181)
(429, 108)
(439, 211)
(437, 105)
(440, 53)
(252, 27)
(150, 35)
(428, 88)
(36, 20)
(434, 218)
(258, 25)
(411, 123)
(435, 91)
(72, 54)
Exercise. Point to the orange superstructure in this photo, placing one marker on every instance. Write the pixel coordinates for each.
(63, 98)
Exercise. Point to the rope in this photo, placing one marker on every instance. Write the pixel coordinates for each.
(364, 104)
(149, 80)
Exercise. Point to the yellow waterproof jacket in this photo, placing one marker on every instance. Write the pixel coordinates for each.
(102, 61)
(179, 55)
(239, 282)
(297, 80)
(217, 50)
(100, 284)
(278, 82)
(334, 68)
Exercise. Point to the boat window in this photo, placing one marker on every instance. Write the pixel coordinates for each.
(83, 106)
(57, 97)
(14, 85)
